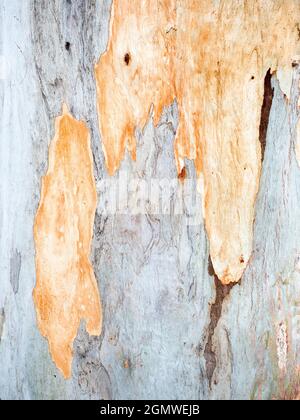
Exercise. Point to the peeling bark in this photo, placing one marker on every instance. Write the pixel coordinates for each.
(215, 70)
(66, 291)
(167, 331)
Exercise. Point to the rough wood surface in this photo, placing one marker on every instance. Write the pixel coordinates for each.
(169, 330)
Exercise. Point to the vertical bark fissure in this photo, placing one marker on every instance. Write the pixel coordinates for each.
(222, 291)
(265, 112)
(2, 321)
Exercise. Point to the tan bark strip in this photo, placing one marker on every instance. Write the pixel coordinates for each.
(66, 291)
(213, 57)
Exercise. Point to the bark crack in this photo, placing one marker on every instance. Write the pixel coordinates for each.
(2, 321)
(265, 112)
(222, 291)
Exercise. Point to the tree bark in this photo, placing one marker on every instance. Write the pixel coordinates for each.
(171, 330)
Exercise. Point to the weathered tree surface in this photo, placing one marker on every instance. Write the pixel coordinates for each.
(170, 328)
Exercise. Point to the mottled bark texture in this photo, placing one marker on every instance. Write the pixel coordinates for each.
(170, 329)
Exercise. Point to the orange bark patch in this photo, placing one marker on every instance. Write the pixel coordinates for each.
(213, 57)
(66, 291)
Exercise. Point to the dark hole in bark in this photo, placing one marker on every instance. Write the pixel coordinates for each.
(265, 112)
(127, 59)
(222, 291)
(298, 30)
(182, 174)
(67, 46)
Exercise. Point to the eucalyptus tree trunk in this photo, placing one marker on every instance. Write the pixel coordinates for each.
(170, 328)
